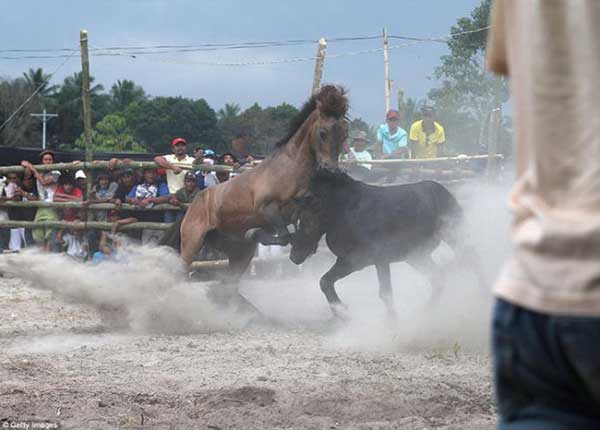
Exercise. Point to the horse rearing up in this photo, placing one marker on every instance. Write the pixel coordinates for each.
(258, 197)
(369, 225)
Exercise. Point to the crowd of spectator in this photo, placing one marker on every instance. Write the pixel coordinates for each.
(175, 181)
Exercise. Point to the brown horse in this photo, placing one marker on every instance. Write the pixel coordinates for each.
(223, 214)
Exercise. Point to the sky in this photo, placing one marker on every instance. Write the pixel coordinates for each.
(28, 24)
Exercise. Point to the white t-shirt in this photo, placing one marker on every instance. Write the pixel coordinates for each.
(551, 50)
(361, 156)
(175, 180)
(46, 192)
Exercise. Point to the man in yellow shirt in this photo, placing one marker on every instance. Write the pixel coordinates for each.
(427, 136)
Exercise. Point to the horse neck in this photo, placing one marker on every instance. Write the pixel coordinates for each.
(299, 146)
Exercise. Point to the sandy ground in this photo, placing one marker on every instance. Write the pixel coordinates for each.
(62, 363)
(180, 361)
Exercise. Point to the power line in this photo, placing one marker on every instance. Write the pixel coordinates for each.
(37, 90)
(135, 51)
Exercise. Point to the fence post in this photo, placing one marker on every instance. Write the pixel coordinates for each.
(87, 107)
(319, 65)
(493, 132)
(386, 65)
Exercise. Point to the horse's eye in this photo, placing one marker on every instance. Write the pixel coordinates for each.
(322, 134)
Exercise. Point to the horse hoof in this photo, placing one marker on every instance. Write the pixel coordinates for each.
(250, 234)
(340, 312)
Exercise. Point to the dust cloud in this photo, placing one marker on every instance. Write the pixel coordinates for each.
(151, 292)
(146, 291)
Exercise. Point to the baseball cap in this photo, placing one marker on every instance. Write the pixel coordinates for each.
(178, 140)
(392, 114)
(209, 153)
(80, 174)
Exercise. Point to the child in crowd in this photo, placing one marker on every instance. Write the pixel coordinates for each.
(108, 247)
(67, 191)
(185, 194)
(103, 192)
(145, 195)
(17, 235)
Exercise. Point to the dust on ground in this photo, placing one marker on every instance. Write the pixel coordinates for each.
(61, 363)
(177, 360)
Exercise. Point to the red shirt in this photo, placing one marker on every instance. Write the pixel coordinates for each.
(70, 214)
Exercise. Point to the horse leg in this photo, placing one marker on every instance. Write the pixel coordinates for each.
(240, 257)
(428, 268)
(193, 233)
(273, 215)
(340, 269)
(385, 287)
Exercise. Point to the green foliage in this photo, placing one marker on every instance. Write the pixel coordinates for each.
(68, 105)
(261, 127)
(23, 130)
(467, 93)
(112, 134)
(155, 122)
(125, 92)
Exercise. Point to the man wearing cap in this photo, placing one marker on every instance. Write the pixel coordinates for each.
(427, 138)
(391, 138)
(175, 176)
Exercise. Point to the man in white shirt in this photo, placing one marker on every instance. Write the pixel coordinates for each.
(172, 162)
(175, 174)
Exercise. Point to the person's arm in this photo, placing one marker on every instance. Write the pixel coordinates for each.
(59, 196)
(403, 148)
(442, 143)
(497, 58)
(131, 198)
(25, 194)
(44, 180)
(165, 164)
(413, 139)
(379, 144)
(163, 195)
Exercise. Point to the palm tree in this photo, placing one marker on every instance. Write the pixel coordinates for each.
(125, 92)
(231, 110)
(38, 79)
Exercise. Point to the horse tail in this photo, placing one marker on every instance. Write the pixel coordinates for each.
(455, 232)
(172, 236)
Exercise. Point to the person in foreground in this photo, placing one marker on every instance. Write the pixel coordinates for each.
(546, 324)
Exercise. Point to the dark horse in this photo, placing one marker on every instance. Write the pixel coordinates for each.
(259, 198)
(369, 225)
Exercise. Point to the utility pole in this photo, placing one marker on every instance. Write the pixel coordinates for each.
(319, 65)
(87, 107)
(493, 132)
(45, 117)
(386, 64)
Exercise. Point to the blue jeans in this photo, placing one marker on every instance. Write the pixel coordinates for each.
(546, 369)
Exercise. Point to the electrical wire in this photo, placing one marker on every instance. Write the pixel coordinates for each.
(37, 90)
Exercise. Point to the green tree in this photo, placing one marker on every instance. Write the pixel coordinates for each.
(112, 134)
(155, 122)
(67, 103)
(262, 127)
(229, 111)
(22, 130)
(36, 78)
(125, 92)
(467, 93)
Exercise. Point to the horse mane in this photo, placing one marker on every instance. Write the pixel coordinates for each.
(333, 101)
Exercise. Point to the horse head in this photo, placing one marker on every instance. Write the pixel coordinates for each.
(329, 130)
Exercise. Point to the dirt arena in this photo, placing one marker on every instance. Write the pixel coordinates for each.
(180, 361)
